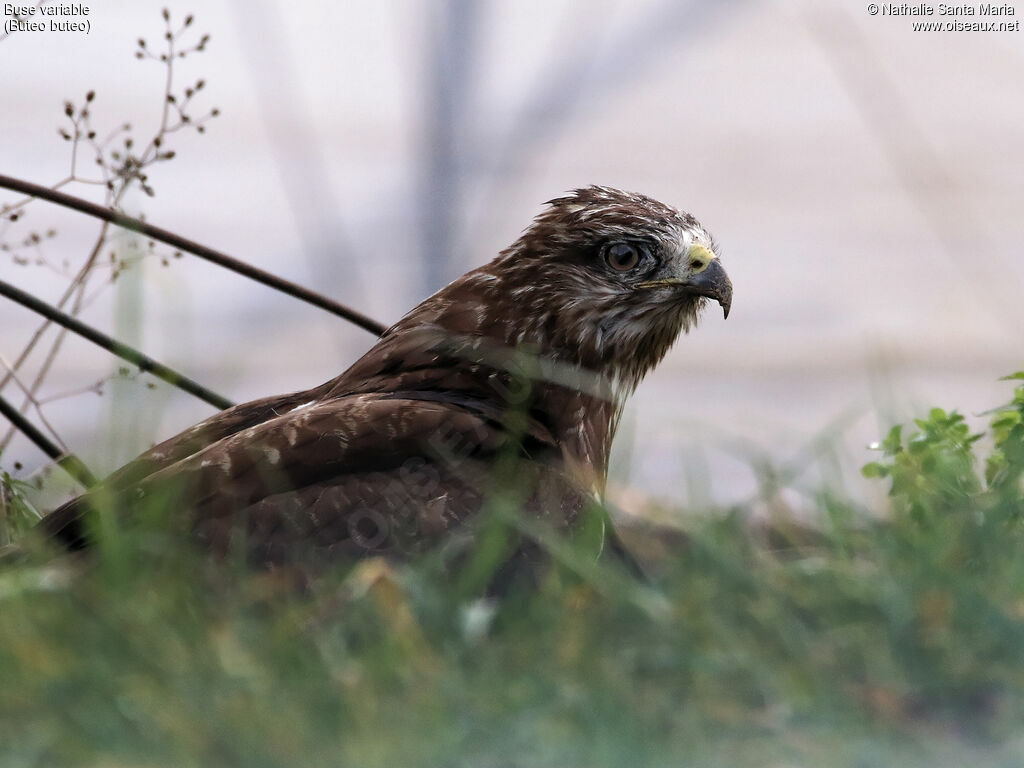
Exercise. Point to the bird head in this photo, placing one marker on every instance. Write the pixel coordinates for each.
(608, 280)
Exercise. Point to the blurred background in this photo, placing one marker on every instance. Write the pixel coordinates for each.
(863, 179)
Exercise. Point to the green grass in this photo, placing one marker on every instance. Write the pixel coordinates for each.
(852, 642)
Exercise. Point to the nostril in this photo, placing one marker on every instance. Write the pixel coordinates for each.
(699, 258)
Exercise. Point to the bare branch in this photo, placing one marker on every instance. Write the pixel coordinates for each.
(31, 398)
(123, 351)
(75, 289)
(209, 254)
(68, 462)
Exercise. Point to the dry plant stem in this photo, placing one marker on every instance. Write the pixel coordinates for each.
(76, 281)
(209, 254)
(95, 388)
(77, 286)
(143, 361)
(130, 171)
(115, 187)
(48, 361)
(79, 278)
(36, 404)
(68, 462)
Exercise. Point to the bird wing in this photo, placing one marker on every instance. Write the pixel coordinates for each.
(373, 471)
(208, 432)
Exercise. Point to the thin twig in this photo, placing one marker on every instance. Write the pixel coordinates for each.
(35, 403)
(77, 286)
(144, 362)
(95, 388)
(68, 293)
(209, 254)
(68, 462)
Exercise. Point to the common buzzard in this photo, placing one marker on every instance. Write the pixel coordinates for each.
(510, 379)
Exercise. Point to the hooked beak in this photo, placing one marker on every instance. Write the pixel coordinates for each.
(711, 282)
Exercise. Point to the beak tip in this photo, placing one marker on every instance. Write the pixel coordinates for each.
(714, 283)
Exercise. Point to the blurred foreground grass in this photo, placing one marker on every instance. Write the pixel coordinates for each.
(855, 640)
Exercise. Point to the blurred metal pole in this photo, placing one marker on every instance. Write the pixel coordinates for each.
(295, 147)
(450, 56)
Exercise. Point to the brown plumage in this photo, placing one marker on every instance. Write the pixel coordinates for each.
(530, 357)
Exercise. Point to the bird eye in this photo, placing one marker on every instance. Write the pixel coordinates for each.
(622, 257)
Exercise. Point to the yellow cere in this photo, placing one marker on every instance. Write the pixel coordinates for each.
(700, 257)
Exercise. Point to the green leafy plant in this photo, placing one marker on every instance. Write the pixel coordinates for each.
(17, 515)
(937, 471)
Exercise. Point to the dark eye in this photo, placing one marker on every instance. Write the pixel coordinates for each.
(622, 257)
